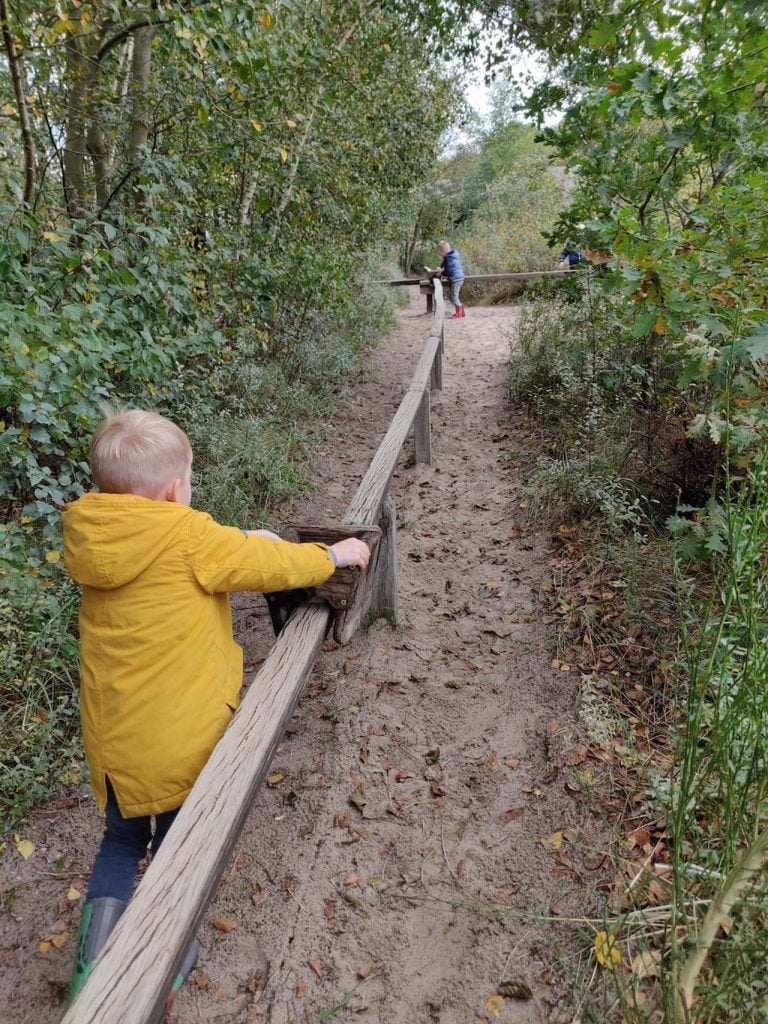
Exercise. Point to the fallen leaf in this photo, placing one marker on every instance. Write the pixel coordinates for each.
(224, 924)
(553, 841)
(301, 988)
(44, 947)
(60, 940)
(74, 894)
(607, 951)
(318, 967)
(343, 819)
(515, 990)
(373, 810)
(639, 837)
(647, 964)
(367, 971)
(358, 800)
(276, 778)
(202, 980)
(512, 762)
(329, 909)
(511, 815)
(495, 1004)
(24, 846)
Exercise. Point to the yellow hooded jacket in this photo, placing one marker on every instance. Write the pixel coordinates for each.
(160, 671)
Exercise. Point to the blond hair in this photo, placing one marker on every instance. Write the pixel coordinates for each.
(138, 452)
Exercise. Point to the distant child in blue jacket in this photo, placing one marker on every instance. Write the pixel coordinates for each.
(452, 270)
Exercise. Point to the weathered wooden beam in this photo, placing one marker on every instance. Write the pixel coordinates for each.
(375, 484)
(526, 275)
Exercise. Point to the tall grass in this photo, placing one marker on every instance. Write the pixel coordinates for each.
(718, 792)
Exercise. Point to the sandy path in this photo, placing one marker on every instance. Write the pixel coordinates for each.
(439, 730)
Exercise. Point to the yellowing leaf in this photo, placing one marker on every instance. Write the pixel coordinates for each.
(74, 894)
(224, 924)
(53, 557)
(283, 155)
(266, 19)
(607, 951)
(495, 1004)
(291, 123)
(24, 846)
(60, 940)
(44, 947)
(257, 126)
(8, 108)
(552, 842)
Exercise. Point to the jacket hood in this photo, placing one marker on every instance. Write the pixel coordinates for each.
(110, 539)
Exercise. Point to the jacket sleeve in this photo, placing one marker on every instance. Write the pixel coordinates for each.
(223, 559)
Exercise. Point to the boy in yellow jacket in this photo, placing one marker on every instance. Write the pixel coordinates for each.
(160, 671)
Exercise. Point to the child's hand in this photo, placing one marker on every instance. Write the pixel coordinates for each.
(351, 552)
(262, 533)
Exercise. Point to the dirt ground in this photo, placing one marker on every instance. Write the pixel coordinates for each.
(423, 833)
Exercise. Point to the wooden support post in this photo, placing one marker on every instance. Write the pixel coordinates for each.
(436, 378)
(384, 601)
(422, 431)
(430, 301)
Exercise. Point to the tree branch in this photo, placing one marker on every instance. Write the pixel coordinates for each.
(124, 32)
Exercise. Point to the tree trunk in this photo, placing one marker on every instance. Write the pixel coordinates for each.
(76, 143)
(140, 112)
(14, 64)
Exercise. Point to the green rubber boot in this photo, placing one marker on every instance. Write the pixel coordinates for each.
(187, 965)
(96, 924)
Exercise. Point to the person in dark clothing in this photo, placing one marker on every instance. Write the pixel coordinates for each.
(570, 256)
(452, 270)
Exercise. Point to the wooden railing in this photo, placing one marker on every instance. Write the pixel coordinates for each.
(134, 974)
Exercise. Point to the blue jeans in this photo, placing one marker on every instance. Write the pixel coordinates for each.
(123, 845)
(455, 289)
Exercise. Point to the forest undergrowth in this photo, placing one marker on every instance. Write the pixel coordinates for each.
(663, 616)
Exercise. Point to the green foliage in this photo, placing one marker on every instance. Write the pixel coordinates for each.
(187, 193)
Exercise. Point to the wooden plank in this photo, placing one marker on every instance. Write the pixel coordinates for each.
(136, 969)
(422, 430)
(527, 275)
(375, 484)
